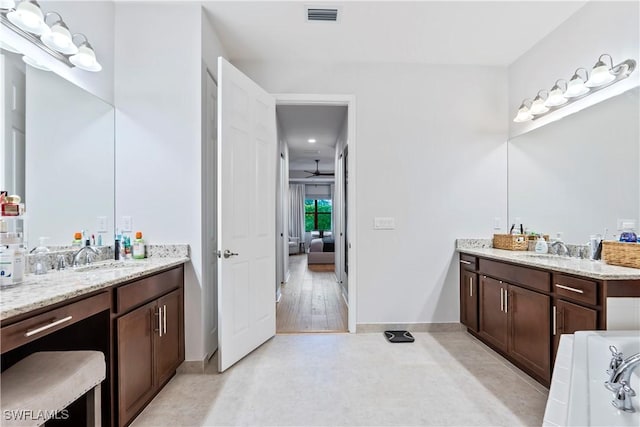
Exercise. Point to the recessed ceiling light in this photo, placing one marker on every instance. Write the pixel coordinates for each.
(311, 141)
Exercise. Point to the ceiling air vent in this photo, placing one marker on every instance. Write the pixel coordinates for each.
(324, 14)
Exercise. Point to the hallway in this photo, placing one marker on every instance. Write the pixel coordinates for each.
(311, 301)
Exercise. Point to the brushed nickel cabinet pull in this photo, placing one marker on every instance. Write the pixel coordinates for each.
(569, 288)
(554, 320)
(506, 301)
(32, 332)
(501, 299)
(159, 314)
(164, 318)
(470, 286)
(464, 262)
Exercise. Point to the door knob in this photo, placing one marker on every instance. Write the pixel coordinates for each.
(227, 253)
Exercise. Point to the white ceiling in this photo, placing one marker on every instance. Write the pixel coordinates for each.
(320, 122)
(431, 32)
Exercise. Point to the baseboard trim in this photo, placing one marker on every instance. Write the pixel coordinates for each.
(363, 328)
(193, 366)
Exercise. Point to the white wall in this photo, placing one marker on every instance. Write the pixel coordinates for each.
(432, 154)
(96, 20)
(598, 27)
(158, 135)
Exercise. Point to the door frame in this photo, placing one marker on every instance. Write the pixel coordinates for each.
(350, 102)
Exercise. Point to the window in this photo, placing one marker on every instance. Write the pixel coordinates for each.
(317, 214)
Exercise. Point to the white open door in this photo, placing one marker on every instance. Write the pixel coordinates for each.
(247, 159)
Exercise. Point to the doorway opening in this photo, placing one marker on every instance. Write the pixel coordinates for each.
(315, 286)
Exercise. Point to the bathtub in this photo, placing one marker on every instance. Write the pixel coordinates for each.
(577, 396)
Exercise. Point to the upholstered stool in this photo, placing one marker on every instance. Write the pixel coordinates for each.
(41, 385)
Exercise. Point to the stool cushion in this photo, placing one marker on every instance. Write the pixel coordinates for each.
(48, 381)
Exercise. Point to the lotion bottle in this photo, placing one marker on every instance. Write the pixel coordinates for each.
(541, 246)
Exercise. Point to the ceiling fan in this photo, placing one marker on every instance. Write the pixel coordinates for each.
(317, 172)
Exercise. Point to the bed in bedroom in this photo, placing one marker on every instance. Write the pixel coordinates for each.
(321, 251)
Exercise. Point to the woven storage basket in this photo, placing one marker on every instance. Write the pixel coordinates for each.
(621, 253)
(510, 242)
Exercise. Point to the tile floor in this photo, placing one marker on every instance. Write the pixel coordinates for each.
(444, 378)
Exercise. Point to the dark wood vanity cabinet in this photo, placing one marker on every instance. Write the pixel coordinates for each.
(468, 292)
(569, 318)
(515, 321)
(149, 339)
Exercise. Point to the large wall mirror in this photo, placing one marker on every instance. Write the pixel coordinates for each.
(581, 174)
(58, 154)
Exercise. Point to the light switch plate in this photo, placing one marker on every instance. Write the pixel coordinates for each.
(384, 223)
(625, 223)
(127, 223)
(497, 223)
(102, 224)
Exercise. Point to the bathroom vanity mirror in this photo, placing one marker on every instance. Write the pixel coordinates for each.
(581, 174)
(58, 154)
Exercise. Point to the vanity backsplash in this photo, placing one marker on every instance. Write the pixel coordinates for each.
(105, 253)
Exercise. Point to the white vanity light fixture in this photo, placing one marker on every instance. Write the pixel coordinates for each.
(537, 106)
(311, 140)
(524, 114)
(601, 72)
(578, 87)
(556, 95)
(28, 17)
(59, 38)
(7, 4)
(86, 56)
(34, 63)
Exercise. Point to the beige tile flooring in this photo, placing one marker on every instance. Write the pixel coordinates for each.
(444, 378)
(311, 300)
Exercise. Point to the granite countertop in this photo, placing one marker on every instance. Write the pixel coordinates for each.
(580, 267)
(37, 291)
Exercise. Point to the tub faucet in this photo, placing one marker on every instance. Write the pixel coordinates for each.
(619, 381)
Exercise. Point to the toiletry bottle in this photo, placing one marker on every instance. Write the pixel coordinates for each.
(628, 235)
(541, 245)
(77, 240)
(126, 246)
(6, 266)
(138, 246)
(18, 263)
(116, 247)
(41, 257)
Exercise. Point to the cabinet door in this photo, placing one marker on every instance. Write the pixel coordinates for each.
(135, 361)
(469, 299)
(530, 330)
(169, 349)
(493, 325)
(571, 318)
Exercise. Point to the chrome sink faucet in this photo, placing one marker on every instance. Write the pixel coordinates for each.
(90, 254)
(620, 371)
(559, 248)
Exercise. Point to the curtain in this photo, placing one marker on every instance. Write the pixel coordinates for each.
(296, 211)
(333, 210)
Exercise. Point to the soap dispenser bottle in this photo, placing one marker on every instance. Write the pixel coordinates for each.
(41, 257)
(541, 245)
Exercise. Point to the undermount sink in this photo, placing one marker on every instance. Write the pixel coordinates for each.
(543, 256)
(109, 265)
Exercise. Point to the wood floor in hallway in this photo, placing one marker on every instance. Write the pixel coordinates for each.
(311, 301)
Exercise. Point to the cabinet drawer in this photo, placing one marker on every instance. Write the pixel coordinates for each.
(572, 288)
(35, 327)
(468, 262)
(535, 279)
(147, 289)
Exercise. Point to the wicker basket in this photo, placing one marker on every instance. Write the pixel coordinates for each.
(510, 242)
(621, 253)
